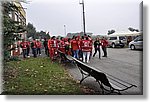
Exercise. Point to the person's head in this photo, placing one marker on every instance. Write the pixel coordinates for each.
(69, 39)
(97, 39)
(89, 36)
(73, 37)
(103, 38)
(61, 38)
(53, 37)
(76, 38)
(86, 38)
(85, 35)
(82, 37)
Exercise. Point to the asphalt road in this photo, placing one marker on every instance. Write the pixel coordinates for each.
(122, 63)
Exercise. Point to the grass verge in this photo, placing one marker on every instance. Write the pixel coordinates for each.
(36, 76)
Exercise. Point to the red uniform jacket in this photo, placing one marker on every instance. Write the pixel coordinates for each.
(86, 46)
(38, 44)
(28, 44)
(62, 46)
(23, 45)
(104, 43)
(75, 45)
(52, 43)
(49, 43)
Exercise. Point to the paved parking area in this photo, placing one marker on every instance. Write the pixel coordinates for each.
(122, 63)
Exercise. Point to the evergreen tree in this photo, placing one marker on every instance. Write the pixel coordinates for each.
(10, 28)
(31, 31)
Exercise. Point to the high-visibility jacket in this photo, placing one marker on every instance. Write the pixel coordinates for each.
(86, 46)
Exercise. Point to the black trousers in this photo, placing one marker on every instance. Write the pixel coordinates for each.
(24, 53)
(34, 52)
(105, 51)
(28, 51)
(97, 49)
(46, 50)
(38, 50)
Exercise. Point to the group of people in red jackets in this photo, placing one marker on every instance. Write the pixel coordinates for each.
(78, 47)
(35, 45)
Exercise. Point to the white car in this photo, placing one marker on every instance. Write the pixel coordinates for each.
(137, 43)
(114, 41)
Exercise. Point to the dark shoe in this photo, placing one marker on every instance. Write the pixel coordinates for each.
(104, 56)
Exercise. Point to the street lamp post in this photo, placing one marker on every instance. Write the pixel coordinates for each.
(83, 16)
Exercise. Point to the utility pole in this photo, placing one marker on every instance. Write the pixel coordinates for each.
(65, 30)
(83, 16)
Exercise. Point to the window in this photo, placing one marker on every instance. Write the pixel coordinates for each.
(122, 38)
(140, 38)
(113, 38)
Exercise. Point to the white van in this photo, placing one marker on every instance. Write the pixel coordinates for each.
(116, 40)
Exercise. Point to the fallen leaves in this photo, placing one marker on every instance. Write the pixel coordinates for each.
(37, 77)
(27, 70)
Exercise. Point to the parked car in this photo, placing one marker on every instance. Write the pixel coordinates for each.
(116, 40)
(137, 43)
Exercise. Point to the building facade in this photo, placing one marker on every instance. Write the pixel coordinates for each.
(20, 16)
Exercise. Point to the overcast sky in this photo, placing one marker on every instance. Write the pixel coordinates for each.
(100, 15)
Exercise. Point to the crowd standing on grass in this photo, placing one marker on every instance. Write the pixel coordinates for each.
(35, 45)
(79, 47)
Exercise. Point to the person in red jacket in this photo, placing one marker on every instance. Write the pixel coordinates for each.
(49, 46)
(23, 45)
(104, 44)
(86, 49)
(62, 45)
(75, 47)
(68, 46)
(53, 46)
(39, 46)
